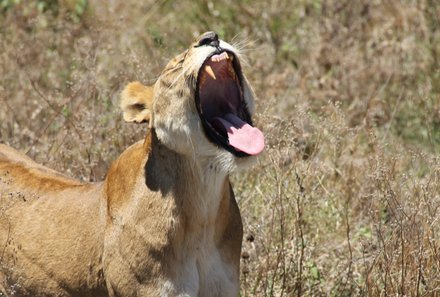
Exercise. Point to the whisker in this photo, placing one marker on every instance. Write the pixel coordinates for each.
(245, 45)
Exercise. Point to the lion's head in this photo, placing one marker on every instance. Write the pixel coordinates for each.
(201, 105)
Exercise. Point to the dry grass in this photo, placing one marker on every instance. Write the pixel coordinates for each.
(345, 201)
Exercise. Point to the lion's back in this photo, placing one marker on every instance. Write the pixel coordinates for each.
(48, 216)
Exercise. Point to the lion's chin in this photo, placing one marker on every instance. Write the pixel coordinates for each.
(226, 163)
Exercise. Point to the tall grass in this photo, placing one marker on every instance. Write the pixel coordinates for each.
(345, 200)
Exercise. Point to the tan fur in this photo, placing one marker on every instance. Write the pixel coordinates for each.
(136, 102)
(164, 222)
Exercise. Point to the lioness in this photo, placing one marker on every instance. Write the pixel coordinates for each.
(164, 222)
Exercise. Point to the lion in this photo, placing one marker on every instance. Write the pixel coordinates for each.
(165, 221)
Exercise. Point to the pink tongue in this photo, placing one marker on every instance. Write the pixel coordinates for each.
(241, 135)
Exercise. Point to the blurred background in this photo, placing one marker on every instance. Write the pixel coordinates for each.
(345, 200)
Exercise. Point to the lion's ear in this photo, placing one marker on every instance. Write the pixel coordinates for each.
(137, 102)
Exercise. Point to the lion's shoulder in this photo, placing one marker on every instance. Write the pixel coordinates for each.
(124, 173)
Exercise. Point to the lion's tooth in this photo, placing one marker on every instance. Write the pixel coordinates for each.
(215, 58)
(209, 70)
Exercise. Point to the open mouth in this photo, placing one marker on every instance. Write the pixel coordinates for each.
(222, 109)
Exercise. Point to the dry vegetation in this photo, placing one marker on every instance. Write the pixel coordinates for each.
(346, 199)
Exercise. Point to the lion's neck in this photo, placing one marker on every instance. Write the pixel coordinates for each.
(197, 184)
(179, 206)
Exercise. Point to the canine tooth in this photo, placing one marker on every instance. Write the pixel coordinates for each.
(209, 70)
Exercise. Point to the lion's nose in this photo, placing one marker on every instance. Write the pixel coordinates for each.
(209, 38)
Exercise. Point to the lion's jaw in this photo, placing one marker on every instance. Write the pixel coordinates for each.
(180, 110)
